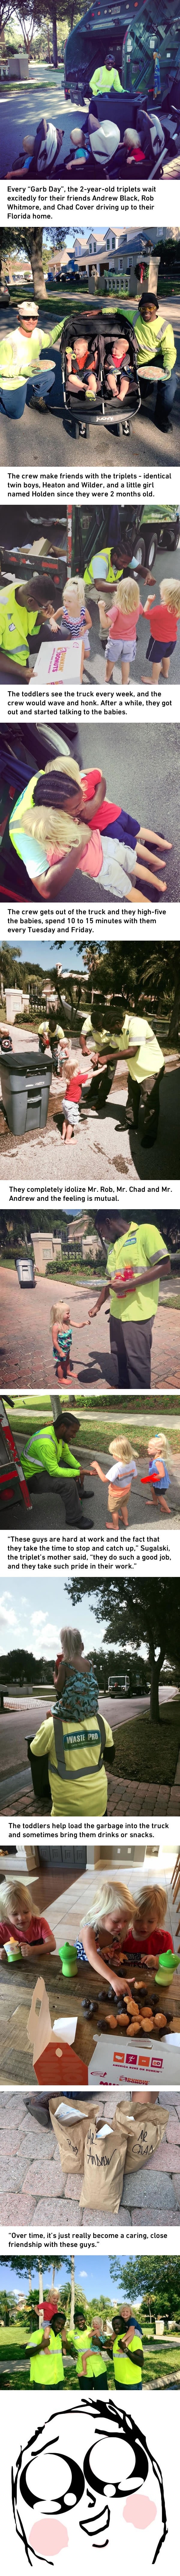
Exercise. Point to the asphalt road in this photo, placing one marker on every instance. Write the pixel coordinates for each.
(119, 1709)
(20, 111)
(44, 438)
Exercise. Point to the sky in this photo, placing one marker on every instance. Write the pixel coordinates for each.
(92, 2273)
(42, 952)
(32, 1614)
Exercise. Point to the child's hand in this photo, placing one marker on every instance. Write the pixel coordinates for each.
(149, 603)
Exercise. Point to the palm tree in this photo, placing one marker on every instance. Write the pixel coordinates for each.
(72, 2292)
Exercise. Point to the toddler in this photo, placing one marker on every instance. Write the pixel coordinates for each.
(117, 369)
(74, 614)
(62, 1339)
(157, 1479)
(121, 621)
(17, 1921)
(118, 1478)
(132, 147)
(70, 1104)
(82, 366)
(163, 621)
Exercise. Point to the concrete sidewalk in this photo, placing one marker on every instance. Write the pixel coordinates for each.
(32, 2185)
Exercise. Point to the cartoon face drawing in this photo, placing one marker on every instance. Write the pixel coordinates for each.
(83, 2466)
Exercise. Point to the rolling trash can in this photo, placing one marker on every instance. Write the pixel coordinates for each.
(25, 1272)
(25, 1087)
(39, 1775)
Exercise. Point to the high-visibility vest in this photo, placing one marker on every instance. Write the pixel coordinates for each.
(127, 2369)
(46, 2370)
(42, 1450)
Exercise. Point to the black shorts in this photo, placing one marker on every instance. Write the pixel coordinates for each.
(159, 652)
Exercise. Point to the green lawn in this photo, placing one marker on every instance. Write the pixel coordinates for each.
(147, 1752)
(160, 2367)
(101, 1426)
(11, 2337)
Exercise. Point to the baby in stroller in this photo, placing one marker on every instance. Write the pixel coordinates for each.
(82, 367)
(117, 367)
(118, 360)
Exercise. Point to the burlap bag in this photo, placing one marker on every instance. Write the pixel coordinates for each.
(70, 2135)
(148, 2127)
(104, 2162)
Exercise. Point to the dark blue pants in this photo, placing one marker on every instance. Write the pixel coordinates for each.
(165, 396)
(14, 401)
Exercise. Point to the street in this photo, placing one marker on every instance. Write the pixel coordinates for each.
(45, 437)
(21, 109)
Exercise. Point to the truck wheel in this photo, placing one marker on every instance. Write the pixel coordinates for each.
(151, 552)
(140, 552)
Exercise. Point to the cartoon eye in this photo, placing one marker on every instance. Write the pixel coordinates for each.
(110, 2464)
(48, 2480)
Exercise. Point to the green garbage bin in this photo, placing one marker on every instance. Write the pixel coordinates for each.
(25, 1087)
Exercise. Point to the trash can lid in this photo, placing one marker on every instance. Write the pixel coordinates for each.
(19, 1062)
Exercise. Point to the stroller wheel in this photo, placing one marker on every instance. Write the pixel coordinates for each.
(125, 429)
(75, 429)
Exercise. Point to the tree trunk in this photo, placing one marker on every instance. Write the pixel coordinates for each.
(54, 34)
(53, 2272)
(154, 1690)
(72, 2292)
(30, 2282)
(175, 1013)
(34, 242)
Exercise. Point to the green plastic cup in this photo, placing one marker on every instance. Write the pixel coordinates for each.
(68, 1954)
(168, 1961)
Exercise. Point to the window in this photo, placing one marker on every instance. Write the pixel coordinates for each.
(108, 242)
(90, 245)
(94, 245)
(113, 242)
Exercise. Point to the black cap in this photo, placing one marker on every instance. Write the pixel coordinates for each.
(149, 299)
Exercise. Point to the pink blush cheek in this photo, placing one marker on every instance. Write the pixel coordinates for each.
(48, 2537)
(139, 2510)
